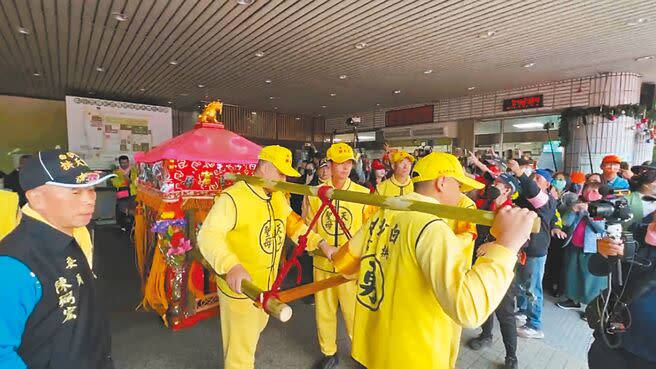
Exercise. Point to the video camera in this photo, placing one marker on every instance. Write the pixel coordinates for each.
(607, 313)
(353, 121)
(615, 210)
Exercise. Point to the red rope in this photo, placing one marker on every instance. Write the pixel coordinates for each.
(302, 245)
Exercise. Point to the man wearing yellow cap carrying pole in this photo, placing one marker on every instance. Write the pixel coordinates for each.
(399, 183)
(466, 232)
(340, 158)
(413, 283)
(242, 237)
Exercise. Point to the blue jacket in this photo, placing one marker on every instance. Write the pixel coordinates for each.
(619, 183)
(593, 230)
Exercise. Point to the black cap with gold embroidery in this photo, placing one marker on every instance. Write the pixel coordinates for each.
(59, 168)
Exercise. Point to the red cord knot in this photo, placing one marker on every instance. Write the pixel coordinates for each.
(323, 193)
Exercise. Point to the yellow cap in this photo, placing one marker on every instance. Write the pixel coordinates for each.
(340, 152)
(399, 155)
(281, 158)
(440, 164)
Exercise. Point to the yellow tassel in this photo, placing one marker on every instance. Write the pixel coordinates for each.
(155, 293)
(197, 204)
(140, 244)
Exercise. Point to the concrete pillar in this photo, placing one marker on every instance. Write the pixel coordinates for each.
(466, 134)
(605, 136)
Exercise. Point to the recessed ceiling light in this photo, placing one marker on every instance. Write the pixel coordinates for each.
(170, 102)
(259, 54)
(472, 88)
(486, 34)
(529, 65)
(245, 2)
(397, 92)
(275, 108)
(297, 118)
(200, 85)
(173, 62)
(90, 92)
(36, 74)
(324, 106)
(343, 76)
(332, 94)
(24, 31)
(254, 113)
(272, 97)
(100, 69)
(637, 21)
(377, 104)
(267, 81)
(120, 16)
(647, 57)
(361, 45)
(428, 71)
(142, 89)
(184, 94)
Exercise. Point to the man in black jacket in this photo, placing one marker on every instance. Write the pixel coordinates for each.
(51, 315)
(534, 196)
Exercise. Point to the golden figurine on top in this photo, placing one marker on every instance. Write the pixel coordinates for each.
(211, 113)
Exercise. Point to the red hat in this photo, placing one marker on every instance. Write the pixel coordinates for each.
(577, 177)
(611, 159)
(377, 165)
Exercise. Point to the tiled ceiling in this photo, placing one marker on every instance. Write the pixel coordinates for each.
(293, 54)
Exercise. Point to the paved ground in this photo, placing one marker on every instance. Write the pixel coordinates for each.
(140, 341)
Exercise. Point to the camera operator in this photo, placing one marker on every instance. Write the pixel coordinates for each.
(631, 319)
(642, 200)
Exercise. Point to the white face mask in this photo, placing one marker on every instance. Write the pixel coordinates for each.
(528, 171)
(380, 172)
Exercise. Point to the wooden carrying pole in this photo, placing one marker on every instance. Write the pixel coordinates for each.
(475, 216)
(274, 306)
(301, 291)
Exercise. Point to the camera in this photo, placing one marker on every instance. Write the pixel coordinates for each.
(353, 121)
(615, 211)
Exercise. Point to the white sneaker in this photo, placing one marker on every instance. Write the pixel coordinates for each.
(520, 319)
(528, 332)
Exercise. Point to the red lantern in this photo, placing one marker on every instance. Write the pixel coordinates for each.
(613, 117)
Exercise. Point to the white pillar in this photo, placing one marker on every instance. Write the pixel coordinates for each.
(605, 136)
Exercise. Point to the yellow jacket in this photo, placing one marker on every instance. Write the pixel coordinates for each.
(248, 227)
(353, 215)
(122, 180)
(391, 187)
(413, 284)
(465, 231)
(10, 215)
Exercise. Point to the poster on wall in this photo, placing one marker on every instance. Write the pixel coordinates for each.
(102, 130)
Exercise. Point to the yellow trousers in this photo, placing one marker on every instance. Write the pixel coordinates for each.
(326, 303)
(241, 325)
(455, 344)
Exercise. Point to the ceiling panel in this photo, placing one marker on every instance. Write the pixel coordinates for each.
(308, 44)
